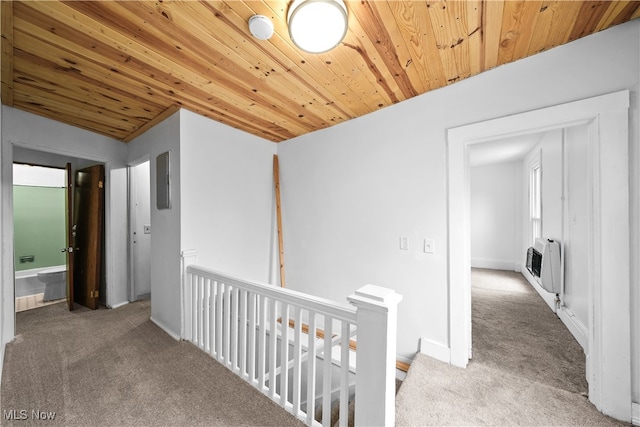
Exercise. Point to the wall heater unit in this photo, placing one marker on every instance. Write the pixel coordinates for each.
(543, 262)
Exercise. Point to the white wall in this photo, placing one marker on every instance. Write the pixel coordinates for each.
(221, 205)
(565, 213)
(496, 205)
(350, 191)
(576, 226)
(36, 176)
(227, 197)
(27, 131)
(551, 149)
(165, 223)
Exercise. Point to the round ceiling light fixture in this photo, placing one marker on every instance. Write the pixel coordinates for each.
(317, 26)
(261, 27)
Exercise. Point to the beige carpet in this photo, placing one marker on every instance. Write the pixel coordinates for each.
(527, 368)
(116, 368)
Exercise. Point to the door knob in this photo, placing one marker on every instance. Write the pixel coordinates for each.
(70, 250)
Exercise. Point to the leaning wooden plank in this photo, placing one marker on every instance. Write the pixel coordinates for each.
(276, 180)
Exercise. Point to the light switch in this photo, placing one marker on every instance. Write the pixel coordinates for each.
(147, 229)
(429, 246)
(404, 244)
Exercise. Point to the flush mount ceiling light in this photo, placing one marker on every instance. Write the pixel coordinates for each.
(317, 26)
(261, 27)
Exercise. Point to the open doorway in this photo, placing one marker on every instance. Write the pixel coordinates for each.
(62, 222)
(140, 230)
(519, 191)
(608, 336)
(39, 235)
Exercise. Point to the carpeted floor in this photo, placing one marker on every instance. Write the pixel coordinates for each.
(116, 368)
(527, 369)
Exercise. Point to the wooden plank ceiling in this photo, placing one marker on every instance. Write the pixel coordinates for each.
(119, 67)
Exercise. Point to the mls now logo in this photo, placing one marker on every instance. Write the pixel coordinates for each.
(23, 414)
(14, 414)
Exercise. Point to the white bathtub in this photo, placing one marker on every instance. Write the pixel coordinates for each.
(27, 282)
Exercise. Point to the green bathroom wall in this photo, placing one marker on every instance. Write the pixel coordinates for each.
(39, 226)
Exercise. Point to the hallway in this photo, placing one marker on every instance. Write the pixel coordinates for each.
(515, 331)
(526, 368)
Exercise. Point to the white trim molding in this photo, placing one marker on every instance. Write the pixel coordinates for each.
(577, 329)
(121, 304)
(548, 297)
(494, 264)
(609, 337)
(436, 350)
(165, 329)
(635, 414)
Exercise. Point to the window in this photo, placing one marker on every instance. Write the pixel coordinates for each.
(535, 199)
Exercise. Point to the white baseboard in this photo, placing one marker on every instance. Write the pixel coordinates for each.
(635, 413)
(574, 326)
(119, 304)
(435, 349)
(548, 297)
(493, 264)
(166, 329)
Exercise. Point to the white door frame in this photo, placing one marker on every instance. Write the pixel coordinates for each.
(131, 196)
(609, 342)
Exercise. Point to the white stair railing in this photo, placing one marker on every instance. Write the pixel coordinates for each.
(294, 347)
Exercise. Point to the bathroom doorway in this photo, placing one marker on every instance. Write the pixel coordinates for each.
(79, 230)
(39, 234)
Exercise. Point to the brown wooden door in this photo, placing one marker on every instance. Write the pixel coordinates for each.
(88, 218)
(70, 235)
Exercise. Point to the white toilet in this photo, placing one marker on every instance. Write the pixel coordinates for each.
(55, 282)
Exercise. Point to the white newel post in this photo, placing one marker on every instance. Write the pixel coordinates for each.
(187, 258)
(377, 318)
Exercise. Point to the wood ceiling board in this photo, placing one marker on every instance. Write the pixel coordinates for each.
(383, 55)
(518, 25)
(459, 46)
(491, 30)
(151, 123)
(635, 15)
(311, 72)
(62, 111)
(6, 76)
(76, 108)
(186, 77)
(195, 52)
(363, 50)
(588, 17)
(330, 88)
(616, 13)
(127, 63)
(475, 36)
(446, 39)
(273, 78)
(407, 36)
